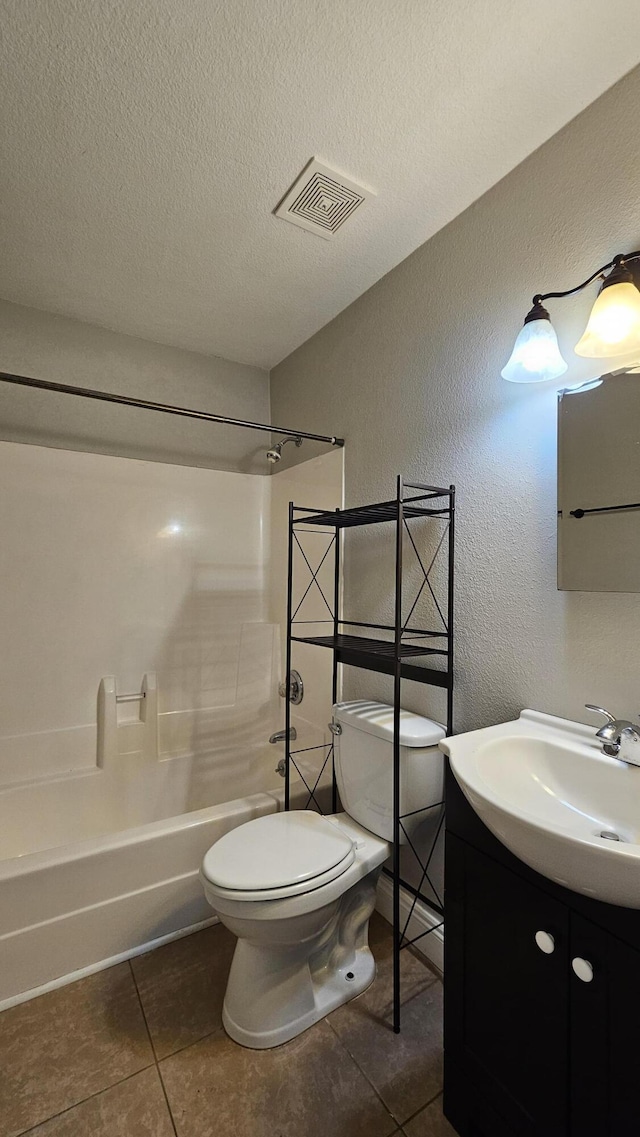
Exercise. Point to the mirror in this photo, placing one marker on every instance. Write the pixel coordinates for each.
(599, 486)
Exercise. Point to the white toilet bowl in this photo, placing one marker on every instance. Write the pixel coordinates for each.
(297, 890)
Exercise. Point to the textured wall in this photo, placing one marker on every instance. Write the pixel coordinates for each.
(67, 351)
(410, 375)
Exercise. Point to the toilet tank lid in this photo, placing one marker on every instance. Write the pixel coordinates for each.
(377, 719)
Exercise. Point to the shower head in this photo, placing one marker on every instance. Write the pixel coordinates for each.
(275, 454)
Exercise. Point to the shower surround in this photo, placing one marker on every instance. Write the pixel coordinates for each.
(162, 583)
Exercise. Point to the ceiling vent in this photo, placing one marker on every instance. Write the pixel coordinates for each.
(321, 200)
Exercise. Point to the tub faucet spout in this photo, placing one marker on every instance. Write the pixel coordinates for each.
(281, 735)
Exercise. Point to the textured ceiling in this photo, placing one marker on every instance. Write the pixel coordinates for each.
(145, 144)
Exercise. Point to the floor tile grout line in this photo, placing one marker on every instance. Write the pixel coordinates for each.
(194, 1042)
(153, 1051)
(166, 1098)
(423, 1107)
(82, 1101)
(142, 1011)
(365, 1076)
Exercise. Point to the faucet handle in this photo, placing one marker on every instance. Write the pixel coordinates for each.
(600, 711)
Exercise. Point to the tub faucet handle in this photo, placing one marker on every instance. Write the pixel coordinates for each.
(295, 689)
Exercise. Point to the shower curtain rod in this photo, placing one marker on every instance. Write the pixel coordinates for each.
(167, 408)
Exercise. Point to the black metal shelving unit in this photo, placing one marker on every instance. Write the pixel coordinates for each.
(410, 652)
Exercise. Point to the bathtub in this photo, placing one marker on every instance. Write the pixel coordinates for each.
(101, 865)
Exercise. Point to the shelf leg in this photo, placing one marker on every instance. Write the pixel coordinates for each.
(287, 703)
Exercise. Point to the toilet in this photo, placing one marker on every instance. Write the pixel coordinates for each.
(297, 889)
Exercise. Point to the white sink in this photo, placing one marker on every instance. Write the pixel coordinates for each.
(543, 786)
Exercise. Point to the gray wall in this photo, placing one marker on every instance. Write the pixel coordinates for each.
(50, 347)
(410, 375)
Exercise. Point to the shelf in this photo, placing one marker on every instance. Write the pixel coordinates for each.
(383, 648)
(373, 514)
(409, 629)
(408, 651)
(379, 655)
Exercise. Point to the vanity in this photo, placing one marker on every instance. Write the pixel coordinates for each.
(542, 959)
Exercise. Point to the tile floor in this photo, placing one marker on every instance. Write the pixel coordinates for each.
(139, 1051)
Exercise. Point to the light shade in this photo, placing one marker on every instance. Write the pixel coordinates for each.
(536, 356)
(614, 323)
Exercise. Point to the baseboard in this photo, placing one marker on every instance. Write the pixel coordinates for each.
(102, 964)
(422, 920)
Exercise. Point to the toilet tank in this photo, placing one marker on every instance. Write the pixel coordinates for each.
(364, 766)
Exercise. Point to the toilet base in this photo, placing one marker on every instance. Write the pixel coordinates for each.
(328, 996)
(279, 988)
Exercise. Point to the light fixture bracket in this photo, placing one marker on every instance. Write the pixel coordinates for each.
(620, 261)
(537, 312)
(619, 274)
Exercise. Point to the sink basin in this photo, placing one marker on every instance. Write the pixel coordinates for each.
(544, 788)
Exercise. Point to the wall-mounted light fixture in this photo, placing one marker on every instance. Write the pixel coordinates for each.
(613, 327)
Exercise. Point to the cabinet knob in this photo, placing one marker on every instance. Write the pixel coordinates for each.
(545, 942)
(583, 969)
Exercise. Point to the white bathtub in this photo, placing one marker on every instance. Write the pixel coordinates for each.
(101, 865)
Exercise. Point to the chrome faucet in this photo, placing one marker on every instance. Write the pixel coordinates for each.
(619, 737)
(281, 735)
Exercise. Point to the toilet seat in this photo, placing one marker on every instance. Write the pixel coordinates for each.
(280, 855)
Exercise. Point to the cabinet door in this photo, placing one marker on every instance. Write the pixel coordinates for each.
(506, 1007)
(605, 1033)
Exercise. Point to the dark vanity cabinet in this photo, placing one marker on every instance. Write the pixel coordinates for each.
(542, 998)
